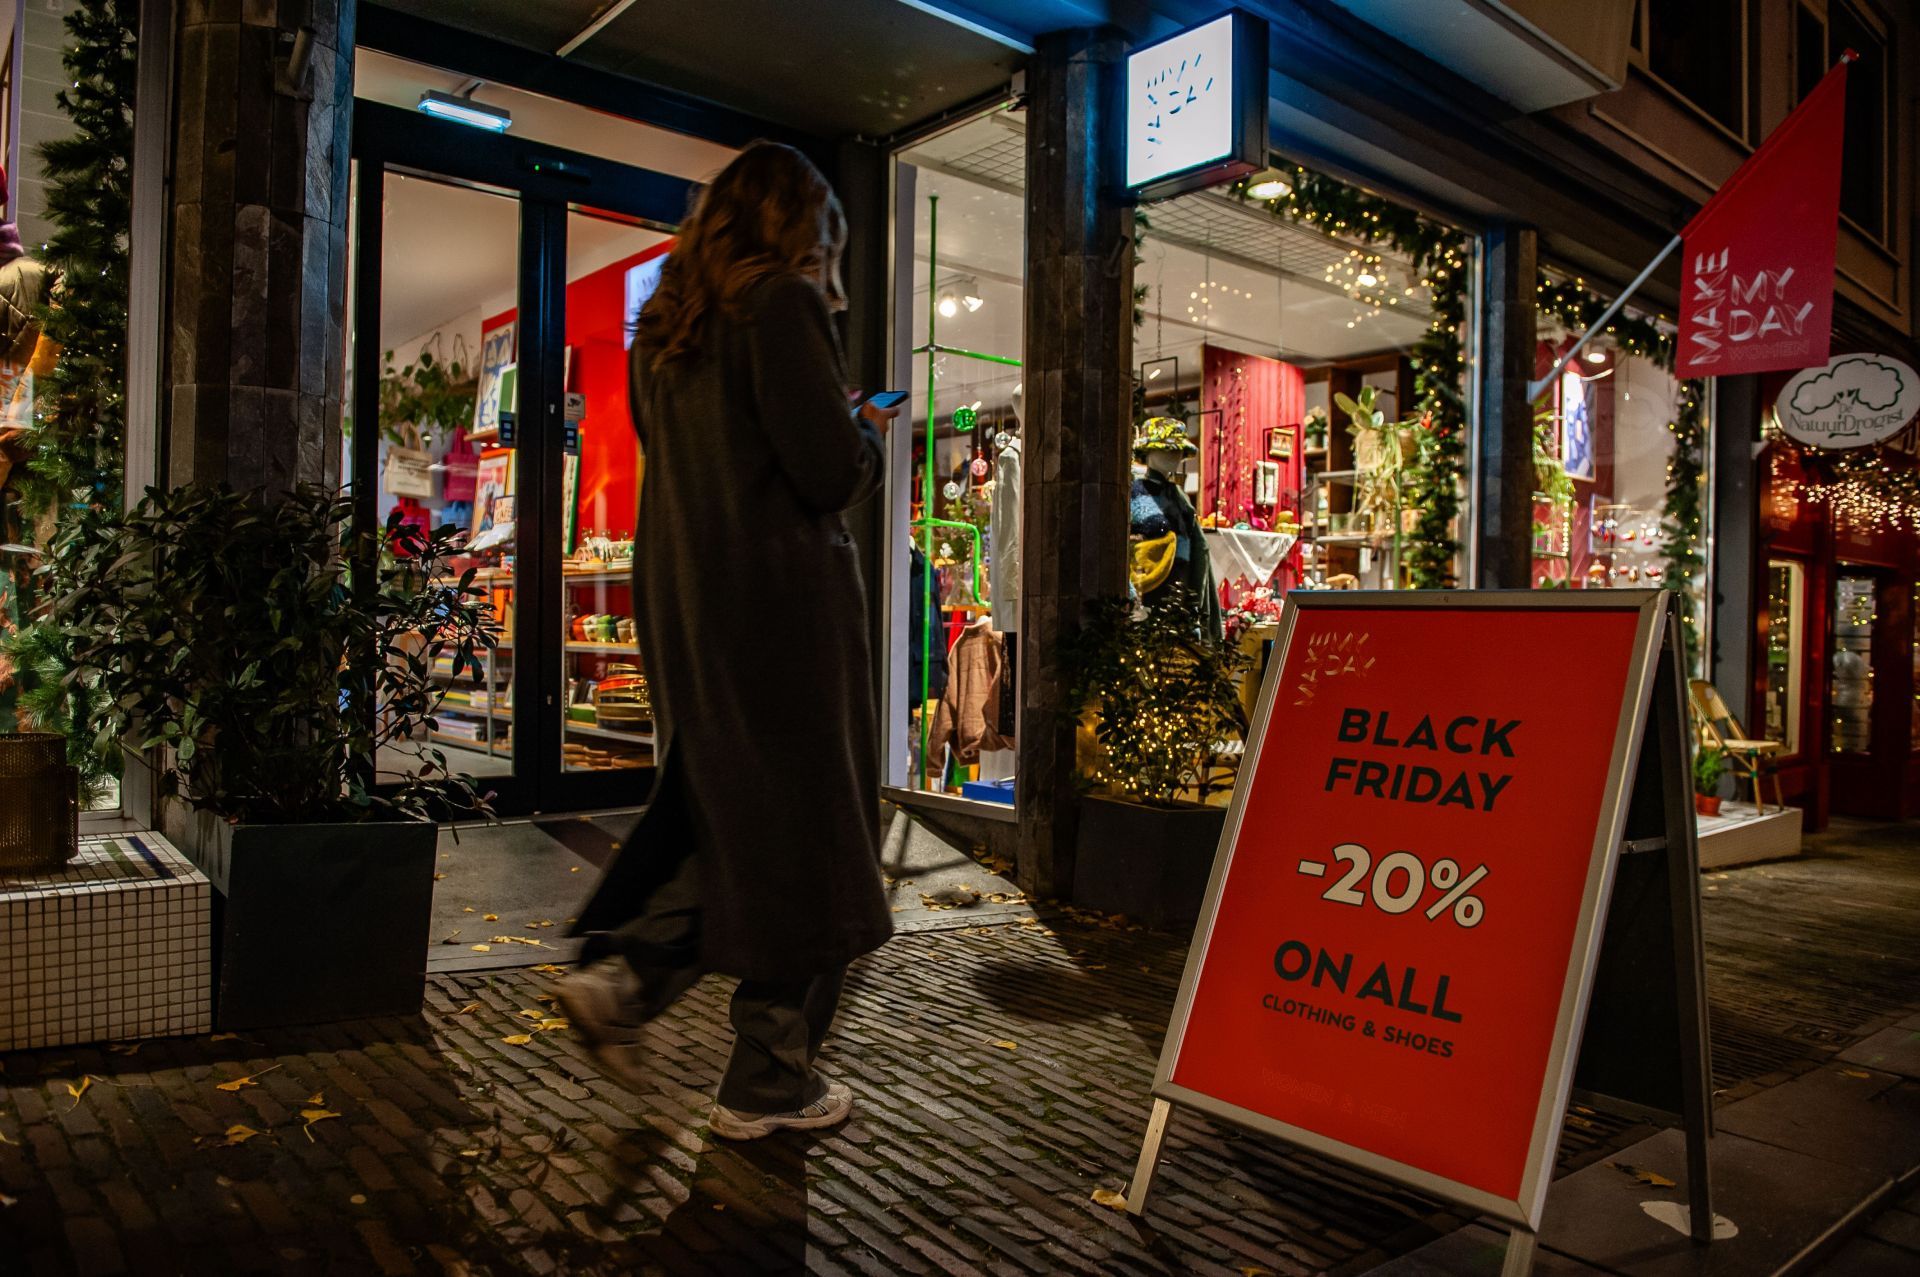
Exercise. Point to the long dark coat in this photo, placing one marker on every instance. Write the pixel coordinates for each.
(753, 631)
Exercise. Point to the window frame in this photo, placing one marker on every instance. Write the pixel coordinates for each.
(1639, 57)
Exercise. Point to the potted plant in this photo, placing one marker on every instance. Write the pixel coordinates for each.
(1709, 763)
(1164, 702)
(1315, 428)
(266, 654)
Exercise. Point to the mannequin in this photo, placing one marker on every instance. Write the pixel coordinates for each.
(1169, 549)
(1005, 530)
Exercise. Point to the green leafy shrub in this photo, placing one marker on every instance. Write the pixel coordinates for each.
(243, 636)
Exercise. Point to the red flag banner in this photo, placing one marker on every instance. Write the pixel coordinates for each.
(1756, 285)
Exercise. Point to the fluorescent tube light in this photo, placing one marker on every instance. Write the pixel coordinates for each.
(445, 106)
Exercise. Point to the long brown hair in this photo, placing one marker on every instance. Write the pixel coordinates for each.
(768, 212)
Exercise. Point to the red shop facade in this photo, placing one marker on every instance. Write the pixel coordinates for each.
(1836, 634)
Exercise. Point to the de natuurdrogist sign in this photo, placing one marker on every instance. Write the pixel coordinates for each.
(1852, 401)
(1402, 926)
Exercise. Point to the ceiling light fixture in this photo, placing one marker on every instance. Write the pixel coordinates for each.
(1596, 356)
(464, 110)
(1270, 188)
(1366, 281)
(972, 301)
(949, 305)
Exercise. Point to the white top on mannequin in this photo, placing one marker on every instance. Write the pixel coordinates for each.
(1004, 583)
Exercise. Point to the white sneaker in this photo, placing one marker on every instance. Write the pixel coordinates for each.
(602, 1002)
(829, 1110)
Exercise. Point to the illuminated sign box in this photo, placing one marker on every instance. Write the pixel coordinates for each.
(1196, 107)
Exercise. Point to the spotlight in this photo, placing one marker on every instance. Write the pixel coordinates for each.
(949, 306)
(1595, 355)
(1366, 280)
(973, 301)
(1270, 189)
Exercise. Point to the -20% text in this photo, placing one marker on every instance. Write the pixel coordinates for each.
(1398, 881)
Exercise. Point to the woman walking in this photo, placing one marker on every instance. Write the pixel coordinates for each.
(758, 854)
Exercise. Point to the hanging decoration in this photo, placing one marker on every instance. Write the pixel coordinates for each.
(1870, 489)
(1432, 481)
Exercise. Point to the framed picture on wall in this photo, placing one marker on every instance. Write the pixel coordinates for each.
(1280, 442)
(1576, 425)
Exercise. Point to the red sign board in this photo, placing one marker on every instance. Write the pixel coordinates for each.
(1400, 934)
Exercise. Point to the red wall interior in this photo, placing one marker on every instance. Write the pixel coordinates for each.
(609, 455)
(1252, 394)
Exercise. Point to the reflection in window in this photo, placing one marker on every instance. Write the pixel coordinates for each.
(1785, 619)
(1852, 687)
(1699, 48)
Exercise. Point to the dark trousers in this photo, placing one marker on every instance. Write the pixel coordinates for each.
(778, 1025)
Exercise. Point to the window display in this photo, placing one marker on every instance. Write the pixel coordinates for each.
(953, 672)
(1309, 337)
(1619, 450)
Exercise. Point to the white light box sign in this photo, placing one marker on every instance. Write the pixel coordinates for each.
(1196, 107)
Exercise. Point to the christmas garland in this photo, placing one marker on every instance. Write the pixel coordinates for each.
(1576, 306)
(1439, 254)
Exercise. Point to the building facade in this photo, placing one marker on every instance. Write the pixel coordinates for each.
(1449, 192)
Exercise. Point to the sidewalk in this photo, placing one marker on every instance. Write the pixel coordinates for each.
(1001, 1071)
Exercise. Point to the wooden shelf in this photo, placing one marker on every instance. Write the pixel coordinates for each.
(628, 649)
(608, 733)
(477, 746)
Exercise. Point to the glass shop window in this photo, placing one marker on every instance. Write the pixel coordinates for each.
(1819, 39)
(1698, 48)
(1283, 324)
(1621, 450)
(1851, 691)
(1786, 622)
(956, 456)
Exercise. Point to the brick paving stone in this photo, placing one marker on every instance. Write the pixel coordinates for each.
(457, 1154)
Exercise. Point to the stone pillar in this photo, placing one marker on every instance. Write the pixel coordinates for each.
(1077, 419)
(1737, 576)
(262, 118)
(1503, 517)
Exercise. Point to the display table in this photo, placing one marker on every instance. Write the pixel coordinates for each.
(113, 944)
(1243, 555)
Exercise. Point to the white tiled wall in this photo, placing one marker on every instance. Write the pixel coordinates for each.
(113, 945)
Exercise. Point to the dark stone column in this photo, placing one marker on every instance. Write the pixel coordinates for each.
(1077, 416)
(1503, 519)
(263, 108)
(1737, 577)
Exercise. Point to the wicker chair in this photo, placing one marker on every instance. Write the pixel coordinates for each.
(1720, 729)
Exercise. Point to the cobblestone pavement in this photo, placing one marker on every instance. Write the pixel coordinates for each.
(1001, 1073)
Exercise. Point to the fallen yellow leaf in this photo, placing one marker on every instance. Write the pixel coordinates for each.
(1653, 1179)
(468, 1009)
(239, 1133)
(240, 1083)
(469, 1152)
(550, 1026)
(5, 1140)
(518, 1039)
(573, 869)
(358, 1199)
(438, 877)
(483, 948)
(312, 1116)
(7, 1201)
(489, 917)
(1255, 1270)
(551, 968)
(77, 1091)
(1855, 1073)
(533, 1015)
(223, 1037)
(1005, 1045)
(318, 1099)
(123, 1048)
(467, 909)
(1110, 1199)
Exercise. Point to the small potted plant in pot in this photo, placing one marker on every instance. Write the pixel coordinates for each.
(266, 655)
(1709, 763)
(1165, 701)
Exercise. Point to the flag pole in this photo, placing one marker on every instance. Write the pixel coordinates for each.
(1537, 388)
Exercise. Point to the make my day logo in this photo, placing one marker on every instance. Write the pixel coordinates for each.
(1852, 402)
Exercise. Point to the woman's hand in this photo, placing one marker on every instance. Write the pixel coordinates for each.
(879, 418)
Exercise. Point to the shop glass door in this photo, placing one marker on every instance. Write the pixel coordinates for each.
(493, 287)
(449, 292)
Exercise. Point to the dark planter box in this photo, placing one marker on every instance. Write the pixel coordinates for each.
(1150, 863)
(314, 923)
